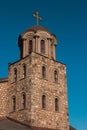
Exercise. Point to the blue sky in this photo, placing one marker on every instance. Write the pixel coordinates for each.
(67, 19)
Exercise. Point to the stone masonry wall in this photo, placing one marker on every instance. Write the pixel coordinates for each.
(22, 85)
(34, 87)
(3, 97)
(48, 118)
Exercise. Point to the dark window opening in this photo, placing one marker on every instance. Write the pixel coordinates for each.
(24, 100)
(14, 103)
(24, 71)
(56, 104)
(21, 50)
(30, 46)
(15, 74)
(44, 72)
(43, 101)
(52, 51)
(55, 76)
(43, 46)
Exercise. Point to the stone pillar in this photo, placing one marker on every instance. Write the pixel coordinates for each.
(24, 47)
(34, 44)
(49, 50)
(46, 48)
(54, 56)
(37, 44)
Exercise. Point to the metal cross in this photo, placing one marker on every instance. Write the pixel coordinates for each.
(36, 15)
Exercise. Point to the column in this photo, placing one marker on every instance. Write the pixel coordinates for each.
(24, 47)
(37, 44)
(54, 55)
(51, 49)
(34, 43)
(49, 53)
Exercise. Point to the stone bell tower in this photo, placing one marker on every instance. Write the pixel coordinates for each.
(37, 91)
(40, 42)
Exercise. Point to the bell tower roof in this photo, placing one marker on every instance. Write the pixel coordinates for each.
(37, 28)
(37, 39)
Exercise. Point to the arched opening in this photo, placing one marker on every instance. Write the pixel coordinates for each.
(30, 46)
(56, 104)
(24, 71)
(15, 74)
(55, 76)
(43, 72)
(43, 46)
(43, 101)
(23, 100)
(14, 103)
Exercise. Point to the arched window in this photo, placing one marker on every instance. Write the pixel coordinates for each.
(15, 74)
(30, 46)
(43, 101)
(24, 71)
(52, 51)
(56, 104)
(14, 103)
(43, 72)
(55, 76)
(23, 100)
(21, 50)
(43, 46)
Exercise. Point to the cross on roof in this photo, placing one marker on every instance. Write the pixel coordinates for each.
(36, 15)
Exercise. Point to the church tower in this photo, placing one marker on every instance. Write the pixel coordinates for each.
(37, 93)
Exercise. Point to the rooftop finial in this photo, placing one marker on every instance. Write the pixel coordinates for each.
(36, 15)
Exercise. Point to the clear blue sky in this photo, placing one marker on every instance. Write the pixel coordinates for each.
(67, 19)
